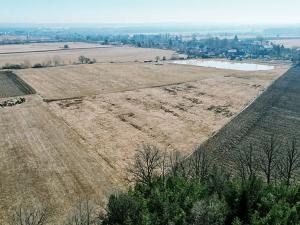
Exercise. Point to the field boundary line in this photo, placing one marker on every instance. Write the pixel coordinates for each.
(49, 100)
(52, 50)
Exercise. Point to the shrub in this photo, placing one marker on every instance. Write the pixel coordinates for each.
(37, 65)
(13, 66)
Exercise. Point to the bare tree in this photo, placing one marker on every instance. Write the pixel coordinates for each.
(57, 61)
(267, 159)
(83, 214)
(27, 64)
(147, 163)
(245, 162)
(177, 164)
(84, 60)
(164, 166)
(201, 163)
(48, 63)
(289, 163)
(31, 216)
(81, 59)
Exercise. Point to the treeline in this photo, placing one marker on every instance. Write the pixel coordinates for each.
(200, 190)
(56, 61)
(203, 190)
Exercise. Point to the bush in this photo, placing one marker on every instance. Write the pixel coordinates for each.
(37, 65)
(13, 66)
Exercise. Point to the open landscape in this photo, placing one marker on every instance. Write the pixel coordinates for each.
(49, 53)
(79, 133)
(150, 112)
(40, 47)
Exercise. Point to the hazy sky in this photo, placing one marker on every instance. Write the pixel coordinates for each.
(150, 11)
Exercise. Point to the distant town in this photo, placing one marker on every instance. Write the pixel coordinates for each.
(232, 46)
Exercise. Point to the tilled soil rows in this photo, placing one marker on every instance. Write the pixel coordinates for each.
(11, 85)
(274, 113)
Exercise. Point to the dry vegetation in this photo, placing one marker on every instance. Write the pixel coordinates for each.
(54, 152)
(173, 116)
(86, 80)
(45, 46)
(106, 54)
(43, 160)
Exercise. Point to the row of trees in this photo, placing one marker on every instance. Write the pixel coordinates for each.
(253, 188)
(273, 161)
(56, 61)
(170, 189)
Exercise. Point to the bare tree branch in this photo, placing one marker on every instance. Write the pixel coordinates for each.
(147, 163)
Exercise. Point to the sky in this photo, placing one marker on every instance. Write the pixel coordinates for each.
(150, 11)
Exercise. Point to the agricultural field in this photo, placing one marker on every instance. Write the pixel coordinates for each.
(11, 85)
(288, 43)
(118, 107)
(43, 160)
(275, 114)
(45, 47)
(77, 135)
(67, 57)
(85, 80)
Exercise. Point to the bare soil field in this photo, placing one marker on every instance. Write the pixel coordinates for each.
(45, 46)
(106, 54)
(288, 43)
(44, 161)
(11, 86)
(53, 152)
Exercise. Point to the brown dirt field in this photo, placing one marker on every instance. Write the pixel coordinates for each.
(288, 43)
(108, 54)
(42, 160)
(54, 152)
